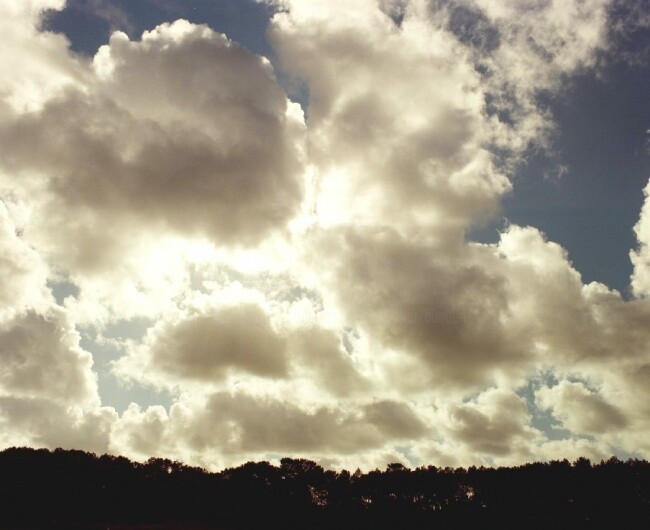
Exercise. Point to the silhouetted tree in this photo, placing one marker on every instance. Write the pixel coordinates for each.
(74, 489)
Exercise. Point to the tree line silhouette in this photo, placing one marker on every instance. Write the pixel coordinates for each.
(75, 489)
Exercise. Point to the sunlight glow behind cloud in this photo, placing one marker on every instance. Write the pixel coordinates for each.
(307, 275)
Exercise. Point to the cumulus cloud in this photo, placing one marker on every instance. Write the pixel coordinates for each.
(527, 49)
(41, 358)
(46, 423)
(155, 179)
(207, 346)
(48, 389)
(401, 173)
(438, 304)
(118, 167)
(240, 427)
(38, 62)
(629, 29)
(497, 423)
(319, 355)
(392, 119)
(641, 256)
(114, 15)
(23, 273)
(128, 145)
(581, 411)
(236, 336)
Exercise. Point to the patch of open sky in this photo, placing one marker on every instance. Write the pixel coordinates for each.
(120, 394)
(541, 419)
(88, 24)
(348, 344)
(134, 328)
(109, 346)
(410, 460)
(105, 349)
(545, 422)
(589, 197)
(62, 290)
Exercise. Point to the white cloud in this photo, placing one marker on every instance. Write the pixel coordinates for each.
(41, 358)
(641, 256)
(48, 389)
(497, 423)
(237, 337)
(128, 152)
(166, 179)
(580, 410)
(436, 303)
(539, 45)
(209, 345)
(237, 427)
(395, 116)
(628, 32)
(46, 423)
(319, 356)
(38, 62)
(22, 271)
(120, 168)
(398, 136)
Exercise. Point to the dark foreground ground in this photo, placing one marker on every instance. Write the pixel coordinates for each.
(109, 526)
(73, 490)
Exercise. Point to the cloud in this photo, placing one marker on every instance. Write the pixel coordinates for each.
(141, 434)
(114, 15)
(45, 423)
(23, 273)
(308, 283)
(392, 120)
(48, 389)
(641, 256)
(207, 346)
(41, 359)
(403, 169)
(235, 336)
(628, 32)
(580, 410)
(241, 427)
(129, 146)
(38, 62)
(573, 448)
(319, 355)
(539, 45)
(496, 423)
(435, 303)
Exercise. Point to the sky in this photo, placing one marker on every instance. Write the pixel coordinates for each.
(356, 232)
